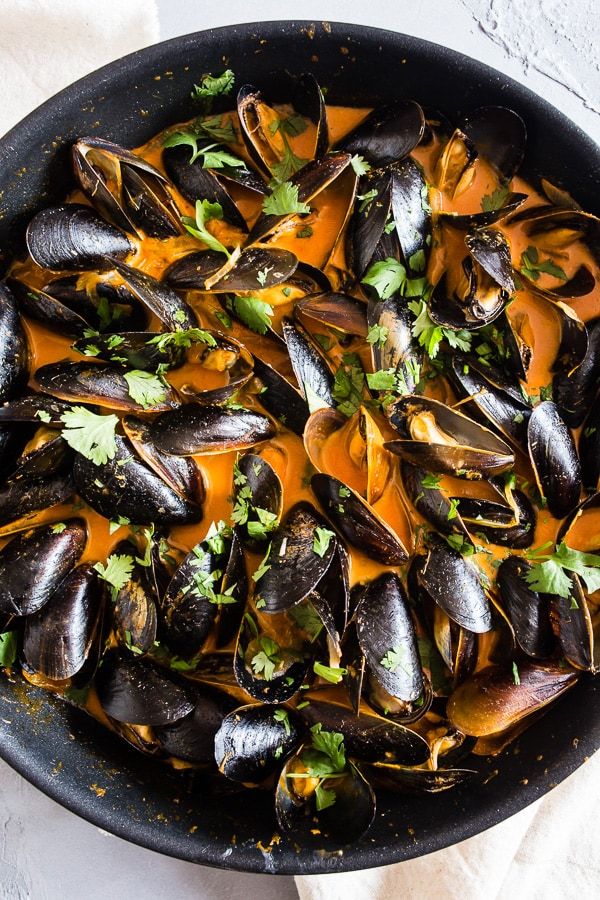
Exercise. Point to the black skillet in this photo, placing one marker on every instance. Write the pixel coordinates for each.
(62, 751)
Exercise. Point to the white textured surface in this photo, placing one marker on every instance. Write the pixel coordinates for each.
(46, 853)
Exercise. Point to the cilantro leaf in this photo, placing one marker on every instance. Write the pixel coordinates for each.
(89, 434)
(430, 335)
(360, 165)
(331, 744)
(281, 715)
(307, 618)
(348, 385)
(145, 388)
(329, 673)
(205, 212)
(531, 265)
(378, 334)
(254, 312)
(395, 658)
(496, 199)
(322, 540)
(387, 277)
(266, 660)
(214, 85)
(283, 200)
(184, 338)
(117, 570)
(550, 576)
(219, 128)
(8, 648)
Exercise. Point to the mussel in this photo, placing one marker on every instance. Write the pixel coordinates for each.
(204, 428)
(74, 237)
(254, 741)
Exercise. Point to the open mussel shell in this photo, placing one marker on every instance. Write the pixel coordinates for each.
(188, 616)
(124, 486)
(46, 453)
(574, 393)
(499, 136)
(255, 269)
(135, 605)
(101, 385)
(194, 181)
(278, 397)
(310, 367)
(308, 100)
(490, 702)
(289, 674)
(132, 349)
(412, 214)
(367, 736)
(338, 311)
(589, 448)
(253, 742)
(204, 428)
(558, 227)
(133, 690)
(45, 308)
(490, 250)
(124, 188)
(295, 568)
(454, 171)
(454, 585)
(387, 134)
(341, 824)
(192, 738)
(310, 181)
(105, 306)
(495, 395)
(406, 780)
(21, 500)
(259, 487)
(180, 472)
(463, 221)
(58, 638)
(234, 585)
(554, 459)
(357, 522)
(529, 612)
(158, 297)
(384, 628)
(74, 237)
(264, 144)
(443, 439)
(35, 408)
(33, 565)
(14, 354)
(370, 219)
(506, 524)
(431, 502)
(229, 359)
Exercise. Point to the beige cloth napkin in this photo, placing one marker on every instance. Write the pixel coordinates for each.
(547, 851)
(47, 44)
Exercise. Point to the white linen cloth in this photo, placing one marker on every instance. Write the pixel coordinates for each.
(548, 850)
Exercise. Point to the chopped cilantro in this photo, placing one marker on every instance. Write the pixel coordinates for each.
(8, 648)
(89, 434)
(329, 673)
(360, 165)
(281, 715)
(184, 339)
(387, 277)
(283, 200)
(267, 659)
(145, 388)
(205, 212)
(213, 85)
(378, 334)
(117, 570)
(548, 574)
(321, 541)
(254, 313)
(531, 265)
(496, 199)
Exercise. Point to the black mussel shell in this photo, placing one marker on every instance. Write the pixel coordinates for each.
(407, 780)
(483, 219)
(254, 741)
(334, 588)
(308, 100)
(311, 369)
(386, 636)
(58, 639)
(490, 249)
(101, 385)
(370, 218)
(188, 615)
(572, 623)
(234, 586)
(14, 354)
(160, 299)
(256, 487)
(529, 612)
(48, 310)
(589, 448)
(74, 237)
(454, 585)
(125, 188)
(495, 395)
(573, 393)
(124, 486)
(33, 565)
(338, 311)
(341, 824)
(500, 523)
(133, 690)
(399, 351)
(203, 428)
(278, 397)
(357, 522)
(287, 678)
(104, 306)
(227, 357)
(490, 701)
(255, 269)
(135, 603)
(366, 735)
(21, 500)
(412, 214)
(431, 502)
(499, 136)
(192, 738)
(132, 349)
(450, 442)
(387, 134)
(554, 459)
(35, 408)
(46, 454)
(195, 181)
(295, 567)
(180, 472)
(454, 169)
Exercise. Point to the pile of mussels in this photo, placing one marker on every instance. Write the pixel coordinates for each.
(386, 614)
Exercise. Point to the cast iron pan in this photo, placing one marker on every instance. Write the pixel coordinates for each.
(69, 756)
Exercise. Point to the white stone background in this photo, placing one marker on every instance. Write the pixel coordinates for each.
(553, 46)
